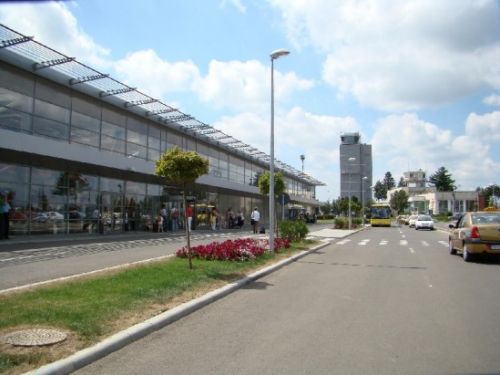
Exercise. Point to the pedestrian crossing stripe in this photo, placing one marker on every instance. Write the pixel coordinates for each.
(365, 242)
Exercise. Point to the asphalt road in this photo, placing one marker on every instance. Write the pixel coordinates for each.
(385, 300)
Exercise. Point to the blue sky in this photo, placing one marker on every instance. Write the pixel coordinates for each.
(420, 80)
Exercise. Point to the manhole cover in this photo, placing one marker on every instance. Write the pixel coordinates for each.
(34, 337)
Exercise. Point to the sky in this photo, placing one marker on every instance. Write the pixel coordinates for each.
(418, 79)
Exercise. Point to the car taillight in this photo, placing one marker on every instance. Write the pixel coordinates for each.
(474, 232)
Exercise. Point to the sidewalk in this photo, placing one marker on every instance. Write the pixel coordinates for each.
(123, 338)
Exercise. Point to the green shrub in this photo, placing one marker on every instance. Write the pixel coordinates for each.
(293, 230)
(340, 223)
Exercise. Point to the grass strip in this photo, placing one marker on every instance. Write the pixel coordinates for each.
(90, 308)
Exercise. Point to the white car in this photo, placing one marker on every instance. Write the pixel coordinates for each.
(411, 220)
(424, 222)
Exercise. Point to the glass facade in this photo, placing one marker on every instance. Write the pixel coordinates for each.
(61, 199)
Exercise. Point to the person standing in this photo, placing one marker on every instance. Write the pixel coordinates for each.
(213, 218)
(254, 220)
(5, 208)
(3, 199)
(174, 216)
(163, 214)
(189, 215)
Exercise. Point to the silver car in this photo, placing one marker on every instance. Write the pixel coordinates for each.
(424, 222)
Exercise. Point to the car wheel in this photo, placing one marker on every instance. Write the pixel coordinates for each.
(466, 254)
(451, 249)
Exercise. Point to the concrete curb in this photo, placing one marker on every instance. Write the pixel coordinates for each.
(125, 337)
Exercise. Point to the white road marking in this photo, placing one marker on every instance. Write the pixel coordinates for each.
(364, 242)
(444, 243)
(403, 236)
(383, 242)
(412, 251)
(425, 243)
(343, 242)
(403, 242)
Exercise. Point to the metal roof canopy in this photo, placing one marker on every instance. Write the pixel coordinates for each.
(42, 60)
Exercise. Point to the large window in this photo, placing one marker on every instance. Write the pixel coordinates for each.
(14, 180)
(137, 138)
(49, 196)
(15, 120)
(85, 122)
(236, 170)
(51, 120)
(154, 143)
(85, 129)
(113, 137)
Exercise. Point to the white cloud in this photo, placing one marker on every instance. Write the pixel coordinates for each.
(52, 24)
(239, 85)
(493, 100)
(235, 3)
(485, 128)
(421, 144)
(155, 76)
(297, 132)
(400, 55)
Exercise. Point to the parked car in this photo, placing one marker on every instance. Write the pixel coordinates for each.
(411, 220)
(475, 233)
(424, 222)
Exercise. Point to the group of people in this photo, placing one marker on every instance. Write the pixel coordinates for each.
(172, 216)
(232, 220)
(5, 207)
(214, 219)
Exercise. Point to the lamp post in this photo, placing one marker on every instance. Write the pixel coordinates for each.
(274, 55)
(349, 182)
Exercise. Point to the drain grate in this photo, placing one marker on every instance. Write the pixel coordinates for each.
(34, 337)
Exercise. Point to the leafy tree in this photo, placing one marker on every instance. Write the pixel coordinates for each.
(389, 182)
(402, 182)
(343, 205)
(399, 201)
(182, 168)
(279, 186)
(326, 208)
(279, 183)
(380, 190)
(442, 180)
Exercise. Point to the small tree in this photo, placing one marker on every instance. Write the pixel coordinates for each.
(279, 187)
(389, 182)
(399, 201)
(182, 168)
(402, 182)
(380, 191)
(442, 180)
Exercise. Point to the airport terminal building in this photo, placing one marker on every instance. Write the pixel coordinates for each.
(78, 151)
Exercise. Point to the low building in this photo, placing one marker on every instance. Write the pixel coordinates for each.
(78, 151)
(428, 200)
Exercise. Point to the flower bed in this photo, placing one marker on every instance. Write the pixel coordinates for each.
(235, 250)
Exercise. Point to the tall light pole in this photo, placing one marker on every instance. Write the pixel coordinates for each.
(274, 55)
(302, 158)
(349, 181)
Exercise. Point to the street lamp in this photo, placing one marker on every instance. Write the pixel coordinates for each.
(350, 216)
(274, 55)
